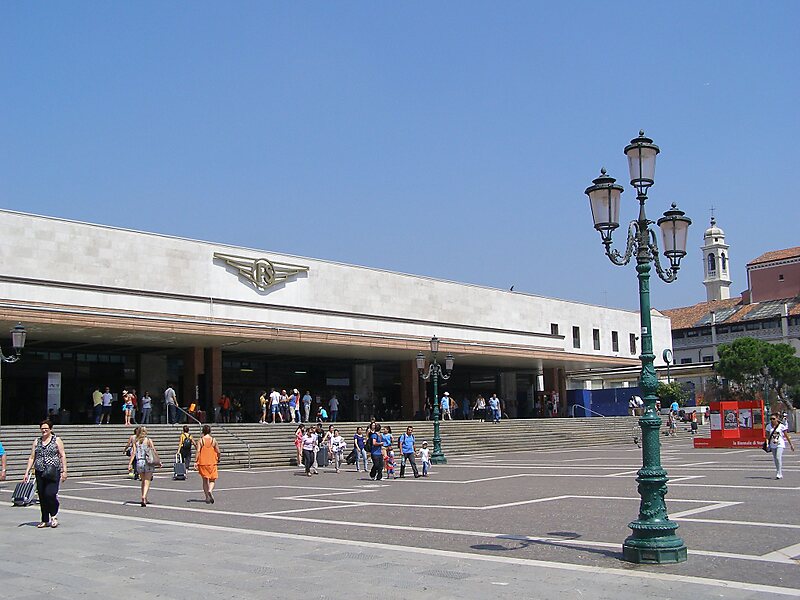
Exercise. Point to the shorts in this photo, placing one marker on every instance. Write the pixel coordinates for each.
(276, 408)
(143, 467)
(106, 410)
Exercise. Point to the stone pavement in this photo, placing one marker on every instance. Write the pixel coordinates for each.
(521, 525)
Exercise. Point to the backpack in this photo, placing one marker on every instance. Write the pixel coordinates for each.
(187, 443)
(368, 443)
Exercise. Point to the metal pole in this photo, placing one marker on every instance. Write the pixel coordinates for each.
(437, 458)
(653, 539)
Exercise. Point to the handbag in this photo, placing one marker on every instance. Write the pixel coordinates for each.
(150, 456)
(51, 472)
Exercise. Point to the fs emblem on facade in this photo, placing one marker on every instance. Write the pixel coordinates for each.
(260, 272)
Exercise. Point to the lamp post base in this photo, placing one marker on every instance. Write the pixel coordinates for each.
(654, 546)
(438, 459)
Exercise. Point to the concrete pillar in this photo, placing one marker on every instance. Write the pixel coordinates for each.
(561, 388)
(153, 379)
(364, 388)
(508, 392)
(213, 370)
(411, 389)
(193, 368)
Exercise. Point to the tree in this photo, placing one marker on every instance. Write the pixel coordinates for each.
(672, 392)
(752, 365)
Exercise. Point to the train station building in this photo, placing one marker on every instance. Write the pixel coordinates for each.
(106, 306)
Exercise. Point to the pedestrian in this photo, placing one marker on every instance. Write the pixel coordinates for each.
(171, 401)
(185, 445)
(275, 405)
(309, 454)
(147, 408)
(465, 408)
(97, 405)
(494, 408)
(359, 446)
(445, 406)
(207, 461)
(306, 406)
(2, 462)
(284, 404)
(262, 400)
(135, 402)
(145, 460)
(777, 438)
(388, 451)
(408, 449)
(480, 408)
(298, 444)
(293, 407)
(375, 447)
(129, 446)
(693, 422)
(297, 415)
(333, 403)
(322, 415)
(338, 446)
(425, 457)
(320, 435)
(672, 418)
(106, 399)
(49, 462)
(127, 407)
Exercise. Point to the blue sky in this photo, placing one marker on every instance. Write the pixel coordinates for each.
(449, 139)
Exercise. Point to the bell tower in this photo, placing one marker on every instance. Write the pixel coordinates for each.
(716, 263)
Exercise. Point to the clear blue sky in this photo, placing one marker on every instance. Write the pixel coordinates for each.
(449, 139)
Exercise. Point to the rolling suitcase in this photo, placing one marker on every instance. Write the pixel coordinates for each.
(23, 492)
(351, 458)
(178, 469)
(322, 456)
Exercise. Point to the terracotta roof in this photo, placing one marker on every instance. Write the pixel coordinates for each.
(687, 316)
(776, 255)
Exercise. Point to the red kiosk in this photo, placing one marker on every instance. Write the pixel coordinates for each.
(735, 424)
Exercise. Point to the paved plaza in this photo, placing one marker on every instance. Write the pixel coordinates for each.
(522, 525)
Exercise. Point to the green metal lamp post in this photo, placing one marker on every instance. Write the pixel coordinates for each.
(435, 371)
(653, 539)
(18, 335)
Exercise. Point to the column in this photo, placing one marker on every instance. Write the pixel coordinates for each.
(364, 388)
(213, 370)
(508, 392)
(410, 389)
(193, 369)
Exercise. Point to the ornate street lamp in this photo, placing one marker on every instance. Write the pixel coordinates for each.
(653, 538)
(435, 370)
(18, 335)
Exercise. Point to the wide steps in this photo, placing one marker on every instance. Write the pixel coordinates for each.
(99, 449)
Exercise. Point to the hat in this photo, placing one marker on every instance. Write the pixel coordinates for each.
(295, 391)
(424, 443)
(447, 393)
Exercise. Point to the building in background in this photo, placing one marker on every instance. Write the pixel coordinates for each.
(768, 310)
(106, 306)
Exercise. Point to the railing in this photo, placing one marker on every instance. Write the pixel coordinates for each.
(220, 425)
(585, 410)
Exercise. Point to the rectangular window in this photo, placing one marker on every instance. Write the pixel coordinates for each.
(553, 328)
(633, 343)
(686, 361)
(614, 341)
(708, 359)
(576, 337)
(596, 338)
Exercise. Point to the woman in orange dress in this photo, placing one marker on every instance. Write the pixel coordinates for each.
(206, 462)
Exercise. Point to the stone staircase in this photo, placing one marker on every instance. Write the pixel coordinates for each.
(99, 449)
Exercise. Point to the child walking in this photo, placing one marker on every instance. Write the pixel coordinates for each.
(425, 456)
(338, 446)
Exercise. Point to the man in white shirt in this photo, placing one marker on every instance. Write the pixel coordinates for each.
(171, 400)
(106, 399)
(445, 405)
(275, 405)
(333, 403)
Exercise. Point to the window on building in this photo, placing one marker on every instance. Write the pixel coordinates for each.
(553, 328)
(614, 341)
(708, 359)
(723, 262)
(780, 277)
(752, 326)
(712, 264)
(686, 361)
(632, 341)
(576, 337)
(596, 339)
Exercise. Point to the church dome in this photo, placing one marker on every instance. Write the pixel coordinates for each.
(714, 231)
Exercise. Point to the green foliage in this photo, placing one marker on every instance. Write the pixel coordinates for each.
(750, 365)
(672, 392)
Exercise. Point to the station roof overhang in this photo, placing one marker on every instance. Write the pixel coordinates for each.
(83, 329)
